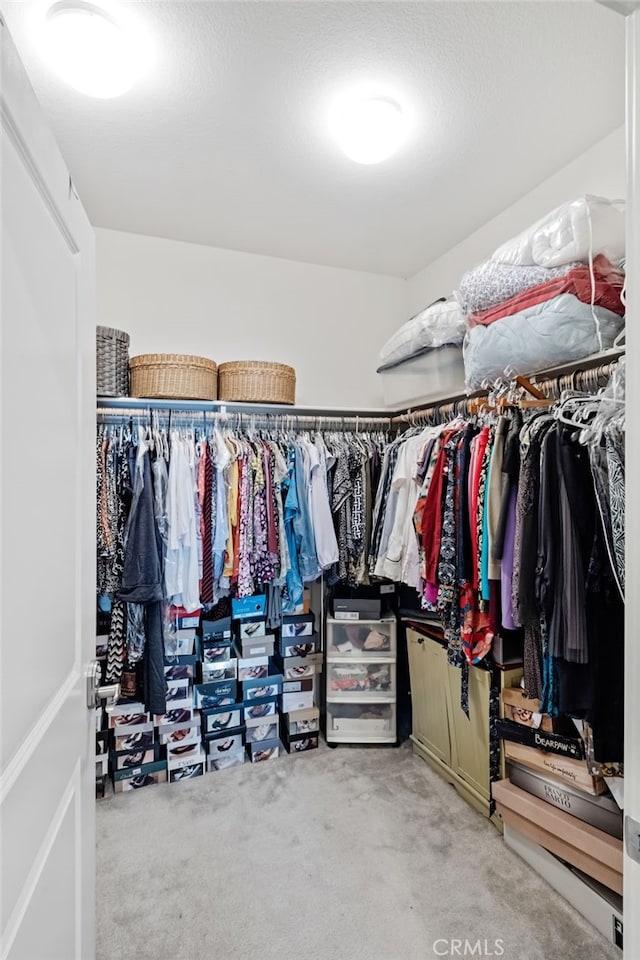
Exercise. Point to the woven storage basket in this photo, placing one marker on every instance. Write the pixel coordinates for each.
(112, 362)
(173, 376)
(256, 381)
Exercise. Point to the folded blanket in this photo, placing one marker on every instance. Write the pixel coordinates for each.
(492, 283)
(604, 292)
(574, 231)
(544, 335)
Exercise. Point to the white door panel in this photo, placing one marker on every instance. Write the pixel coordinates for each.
(632, 609)
(47, 514)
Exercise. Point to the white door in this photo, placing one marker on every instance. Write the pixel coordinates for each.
(632, 611)
(47, 560)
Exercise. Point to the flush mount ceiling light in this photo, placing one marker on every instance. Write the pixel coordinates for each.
(369, 128)
(91, 50)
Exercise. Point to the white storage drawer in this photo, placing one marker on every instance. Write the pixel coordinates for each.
(369, 679)
(361, 638)
(361, 722)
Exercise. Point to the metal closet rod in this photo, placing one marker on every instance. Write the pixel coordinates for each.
(137, 405)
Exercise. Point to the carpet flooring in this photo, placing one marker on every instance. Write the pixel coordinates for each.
(347, 854)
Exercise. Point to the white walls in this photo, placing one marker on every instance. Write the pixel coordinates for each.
(328, 323)
(600, 171)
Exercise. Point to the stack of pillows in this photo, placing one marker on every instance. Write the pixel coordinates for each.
(552, 295)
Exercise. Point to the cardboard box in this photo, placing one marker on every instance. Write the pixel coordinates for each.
(182, 643)
(262, 731)
(290, 702)
(299, 686)
(221, 670)
(178, 693)
(216, 630)
(135, 778)
(262, 687)
(574, 772)
(102, 742)
(256, 646)
(185, 620)
(299, 646)
(124, 760)
(229, 742)
(551, 742)
(129, 739)
(594, 852)
(251, 629)
(264, 750)
(253, 668)
(183, 751)
(215, 653)
(180, 668)
(302, 722)
(248, 607)
(220, 719)
(102, 765)
(601, 812)
(358, 609)
(299, 625)
(254, 711)
(188, 732)
(128, 715)
(223, 761)
(301, 743)
(214, 694)
(300, 668)
(188, 772)
(180, 715)
(521, 709)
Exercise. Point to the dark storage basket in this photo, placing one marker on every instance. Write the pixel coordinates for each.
(112, 362)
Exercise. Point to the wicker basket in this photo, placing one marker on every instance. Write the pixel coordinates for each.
(112, 362)
(256, 381)
(173, 376)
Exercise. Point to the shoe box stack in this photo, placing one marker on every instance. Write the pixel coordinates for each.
(300, 659)
(102, 733)
(556, 793)
(216, 695)
(259, 680)
(135, 752)
(178, 729)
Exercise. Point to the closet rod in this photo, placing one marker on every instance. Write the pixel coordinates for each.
(588, 378)
(139, 405)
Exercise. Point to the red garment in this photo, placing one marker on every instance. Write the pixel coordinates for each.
(608, 286)
(431, 527)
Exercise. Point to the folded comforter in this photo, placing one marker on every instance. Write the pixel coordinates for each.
(557, 331)
(604, 291)
(574, 231)
(492, 283)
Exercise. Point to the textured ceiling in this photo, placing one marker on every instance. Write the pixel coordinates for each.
(225, 141)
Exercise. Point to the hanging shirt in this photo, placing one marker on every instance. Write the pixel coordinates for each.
(321, 517)
(181, 563)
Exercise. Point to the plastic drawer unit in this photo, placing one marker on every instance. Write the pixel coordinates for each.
(360, 678)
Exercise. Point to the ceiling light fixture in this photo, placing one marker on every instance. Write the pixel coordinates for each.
(369, 128)
(91, 50)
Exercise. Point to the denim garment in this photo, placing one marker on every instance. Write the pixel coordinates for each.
(290, 497)
(303, 526)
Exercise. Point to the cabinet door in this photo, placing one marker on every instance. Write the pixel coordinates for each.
(428, 674)
(470, 735)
